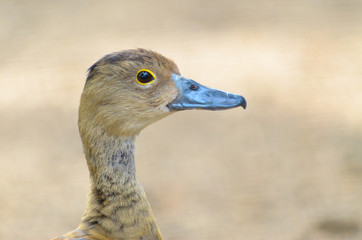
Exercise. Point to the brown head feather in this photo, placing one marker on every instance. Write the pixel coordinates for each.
(113, 100)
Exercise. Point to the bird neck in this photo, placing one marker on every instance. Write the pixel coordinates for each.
(117, 205)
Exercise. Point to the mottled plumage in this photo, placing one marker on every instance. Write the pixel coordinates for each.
(114, 108)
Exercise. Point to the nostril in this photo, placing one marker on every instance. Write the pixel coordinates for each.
(194, 87)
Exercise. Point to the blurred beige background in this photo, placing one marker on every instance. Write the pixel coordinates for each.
(289, 167)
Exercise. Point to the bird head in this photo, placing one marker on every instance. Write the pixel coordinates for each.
(128, 90)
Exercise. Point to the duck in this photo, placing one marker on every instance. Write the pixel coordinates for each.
(125, 92)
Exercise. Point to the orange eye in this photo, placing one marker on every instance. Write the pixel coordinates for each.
(145, 76)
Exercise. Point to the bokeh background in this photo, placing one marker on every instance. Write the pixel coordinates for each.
(289, 167)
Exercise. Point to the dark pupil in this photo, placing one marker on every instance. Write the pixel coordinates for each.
(144, 77)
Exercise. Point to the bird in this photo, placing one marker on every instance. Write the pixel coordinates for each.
(125, 92)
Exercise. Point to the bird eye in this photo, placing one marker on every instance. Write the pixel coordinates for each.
(145, 76)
